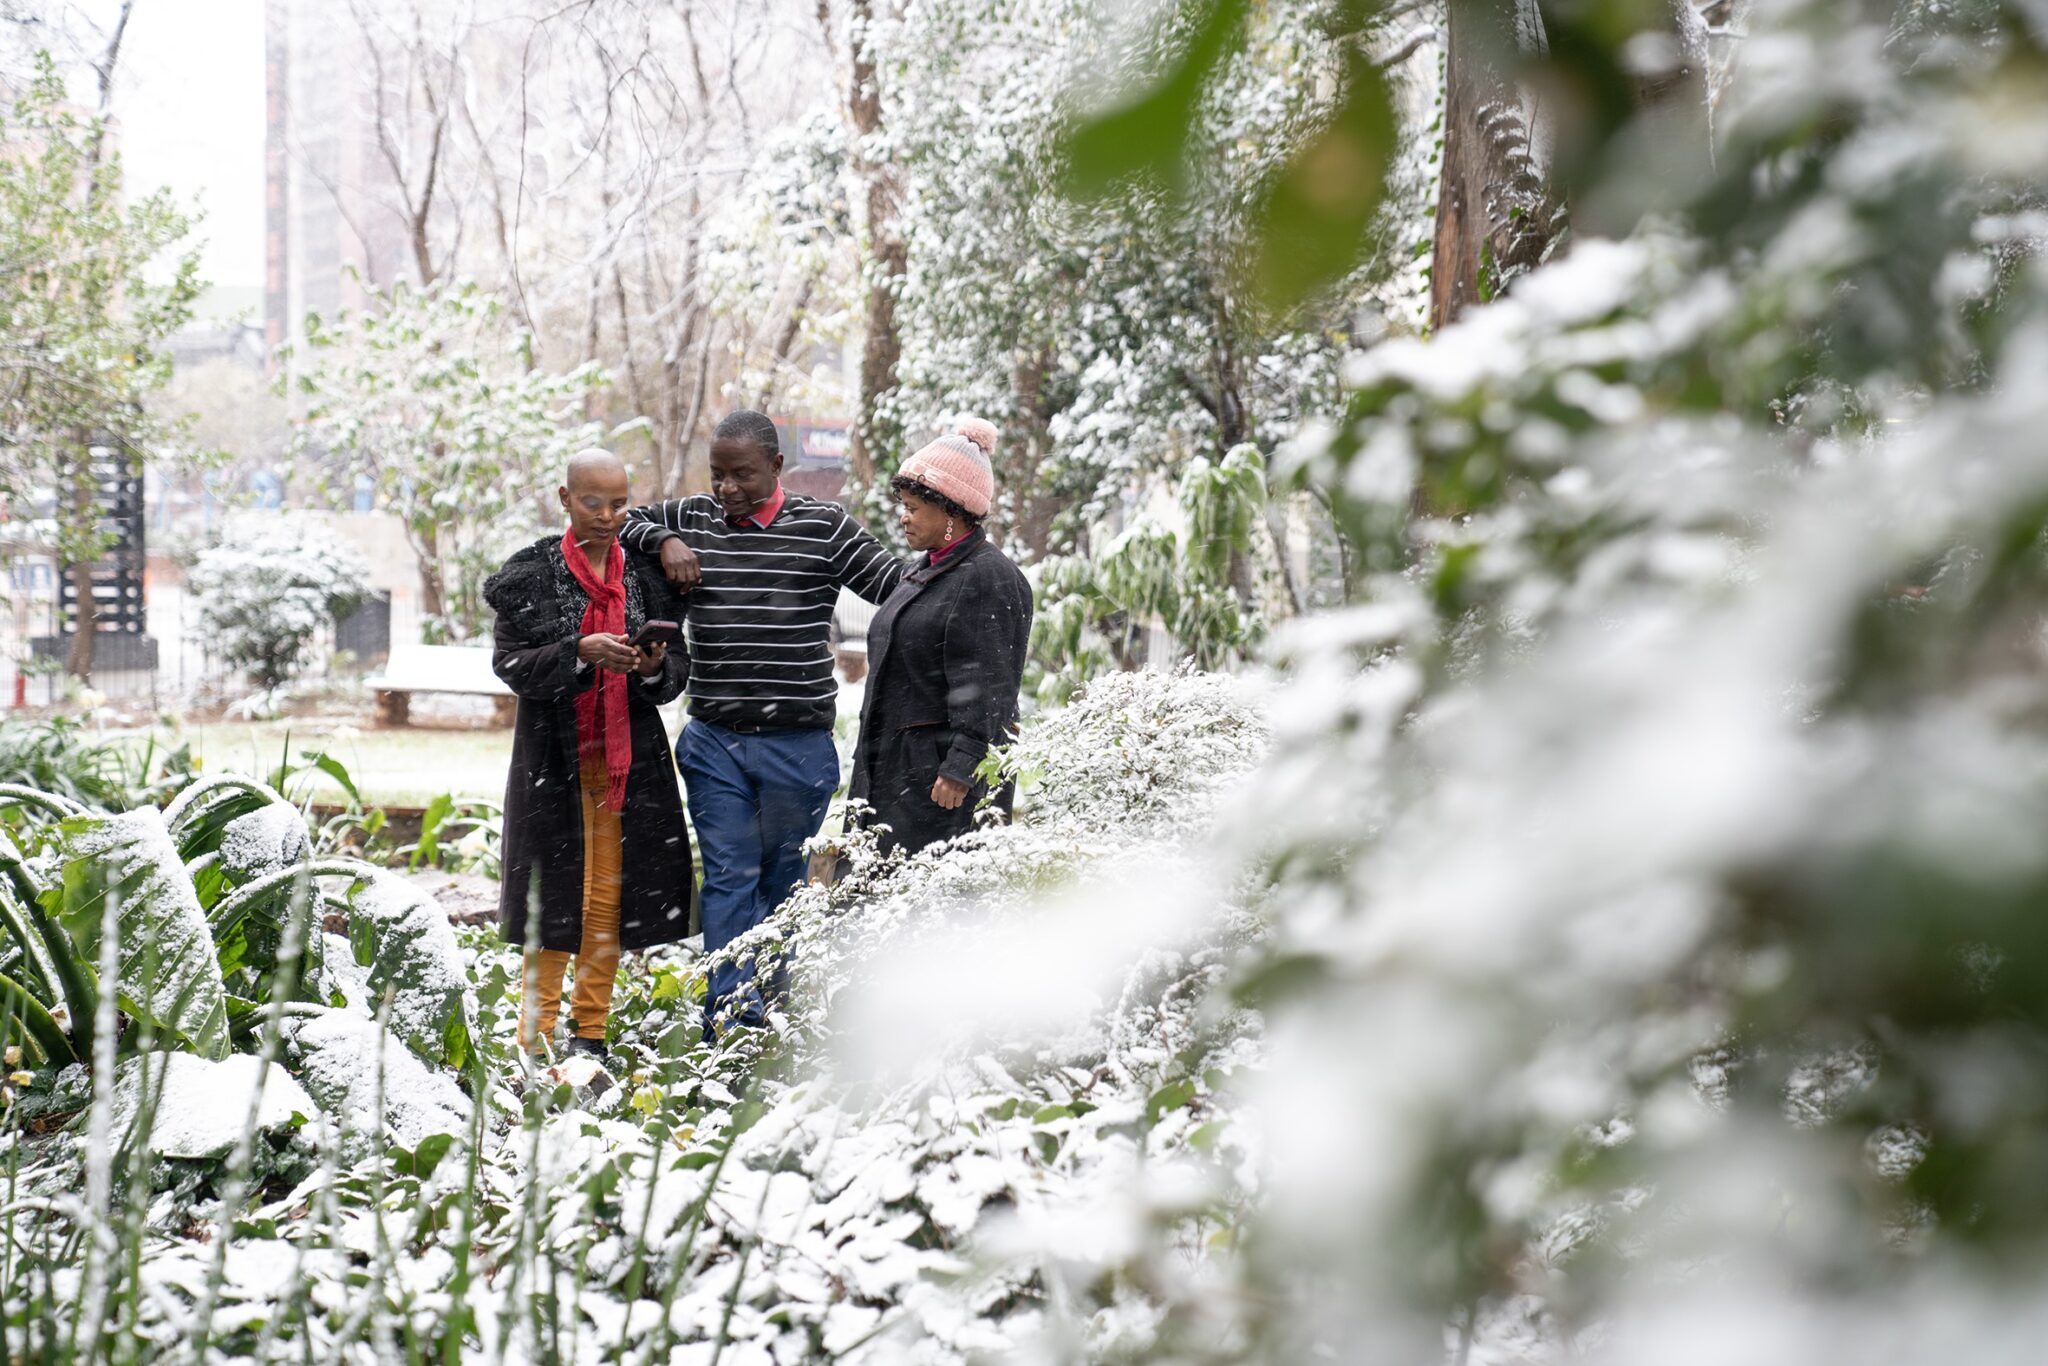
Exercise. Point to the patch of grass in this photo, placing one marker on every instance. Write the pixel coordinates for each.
(407, 767)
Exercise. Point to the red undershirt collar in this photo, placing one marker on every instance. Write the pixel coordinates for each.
(766, 513)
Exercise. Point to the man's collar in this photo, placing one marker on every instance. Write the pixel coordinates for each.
(767, 512)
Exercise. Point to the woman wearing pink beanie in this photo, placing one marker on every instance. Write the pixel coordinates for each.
(945, 652)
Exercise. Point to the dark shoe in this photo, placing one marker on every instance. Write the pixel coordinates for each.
(591, 1048)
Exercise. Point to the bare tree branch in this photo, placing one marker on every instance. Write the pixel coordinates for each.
(1407, 47)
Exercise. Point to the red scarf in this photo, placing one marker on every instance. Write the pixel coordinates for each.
(602, 725)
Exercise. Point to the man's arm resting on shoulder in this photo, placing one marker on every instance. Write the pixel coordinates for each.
(653, 531)
(869, 570)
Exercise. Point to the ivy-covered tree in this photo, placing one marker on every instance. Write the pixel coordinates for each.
(1113, 341)
(432, 396)
(91, 285)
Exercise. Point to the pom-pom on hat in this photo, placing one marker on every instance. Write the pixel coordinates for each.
(956, 466)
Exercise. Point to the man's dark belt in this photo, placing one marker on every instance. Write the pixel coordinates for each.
(741, 727)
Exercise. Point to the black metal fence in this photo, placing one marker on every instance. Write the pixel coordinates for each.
(364, 635)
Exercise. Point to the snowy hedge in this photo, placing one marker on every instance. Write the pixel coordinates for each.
(265, 596)
(1003, 1070)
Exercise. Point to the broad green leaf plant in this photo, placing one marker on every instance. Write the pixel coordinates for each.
(192, 907)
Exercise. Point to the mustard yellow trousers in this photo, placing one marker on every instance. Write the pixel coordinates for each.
(597, 959)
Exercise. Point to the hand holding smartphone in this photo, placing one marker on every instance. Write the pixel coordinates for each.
(656, 633)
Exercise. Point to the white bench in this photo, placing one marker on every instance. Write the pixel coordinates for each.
(851, 617)
(437, 668)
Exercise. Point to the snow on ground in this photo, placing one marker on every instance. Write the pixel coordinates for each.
(791, 1193)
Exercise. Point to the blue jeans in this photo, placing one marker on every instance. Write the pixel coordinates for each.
(754, 799)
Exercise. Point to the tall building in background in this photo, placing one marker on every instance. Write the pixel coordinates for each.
(330, 226)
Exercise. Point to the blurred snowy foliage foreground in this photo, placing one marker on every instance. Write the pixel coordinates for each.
(993, 1115)
(1617, 937)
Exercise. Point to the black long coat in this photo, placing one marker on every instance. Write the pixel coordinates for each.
(540, 617)
(945, 664)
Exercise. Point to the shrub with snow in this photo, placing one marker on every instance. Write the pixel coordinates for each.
(264, 598)
(267, 594)
(974, 1107)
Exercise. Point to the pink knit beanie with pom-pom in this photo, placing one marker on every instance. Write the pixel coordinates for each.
(956, 466)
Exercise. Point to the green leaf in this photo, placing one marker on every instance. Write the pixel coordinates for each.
(678, 1039)
(1281, 977)
(202, 833)
(428, 851)
(168, 974)
(403, 938)
(35, 954)
(421, 1161)
(1146, 138)
(1311, 230)
(1175, 1095)
(334, 769)
(43, 1031)
(48, 948)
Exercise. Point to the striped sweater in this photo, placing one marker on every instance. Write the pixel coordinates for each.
(760, 621)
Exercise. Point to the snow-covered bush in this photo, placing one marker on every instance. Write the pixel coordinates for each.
(889, 1173)
(160, 966)
(178, 928)
(265, 596)
(985, 1094)
(1656, 854)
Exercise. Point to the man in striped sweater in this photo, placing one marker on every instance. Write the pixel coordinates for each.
(764, 567)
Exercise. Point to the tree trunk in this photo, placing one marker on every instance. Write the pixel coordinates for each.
(1678, 100)
(85, 490)
(433, 602)
(887, 256)
(1494, 215)
(85, 617)
(1497, 211)
(1036, 506)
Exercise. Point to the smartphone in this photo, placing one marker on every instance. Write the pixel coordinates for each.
(657, 633)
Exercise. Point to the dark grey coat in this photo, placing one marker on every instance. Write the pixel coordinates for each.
(540, 617)
(945, 664)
